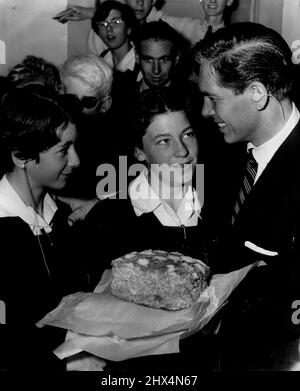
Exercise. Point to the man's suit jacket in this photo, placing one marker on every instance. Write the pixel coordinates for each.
(269, 217)
(261, 308)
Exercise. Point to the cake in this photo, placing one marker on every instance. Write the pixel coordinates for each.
(159, 279)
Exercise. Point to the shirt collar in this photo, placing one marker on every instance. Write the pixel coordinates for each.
(142, 196)
(12, 205)
(143, 86)
(145, 200)
(214, 27)
(264, 152)
(127, 62)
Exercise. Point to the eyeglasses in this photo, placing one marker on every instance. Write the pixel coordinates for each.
(90, 102)
(116, 22)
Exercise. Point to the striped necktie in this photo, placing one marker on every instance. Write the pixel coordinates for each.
(247, 185)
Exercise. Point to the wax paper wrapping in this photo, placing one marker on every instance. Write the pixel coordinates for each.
(114, 329)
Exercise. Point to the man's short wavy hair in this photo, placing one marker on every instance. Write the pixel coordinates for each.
(242, 53)
(160, 31)
(91, 70)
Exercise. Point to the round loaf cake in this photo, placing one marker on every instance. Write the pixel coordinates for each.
(159, 279)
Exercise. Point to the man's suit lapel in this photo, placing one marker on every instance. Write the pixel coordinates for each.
(268, 215)
(281, 169)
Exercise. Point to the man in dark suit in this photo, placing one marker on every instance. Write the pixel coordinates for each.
(246, 76)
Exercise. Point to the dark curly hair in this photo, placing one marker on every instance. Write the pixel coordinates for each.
(160, 31)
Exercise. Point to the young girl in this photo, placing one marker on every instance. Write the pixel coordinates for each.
(39, 261)
(162, 209)
(115, 23)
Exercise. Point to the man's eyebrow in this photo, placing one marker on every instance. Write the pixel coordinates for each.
(161, 135)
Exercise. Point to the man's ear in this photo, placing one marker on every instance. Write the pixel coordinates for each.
(139, 154)
(18, 162)
(229, 3)
(258, 94)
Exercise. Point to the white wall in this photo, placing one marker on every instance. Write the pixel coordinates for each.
(26, 27)
(269, 13)
(190, 8)
(78, 31)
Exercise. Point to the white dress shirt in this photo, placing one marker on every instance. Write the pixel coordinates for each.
(144, 199)
(127, 62)
(12, 205)
(264, 152)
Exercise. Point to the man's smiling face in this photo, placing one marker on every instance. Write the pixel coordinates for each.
(235, 114)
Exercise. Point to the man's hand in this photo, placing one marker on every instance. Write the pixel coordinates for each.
(79, 207)
(75, 13)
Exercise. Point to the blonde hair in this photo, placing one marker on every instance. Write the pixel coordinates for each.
(91, 70)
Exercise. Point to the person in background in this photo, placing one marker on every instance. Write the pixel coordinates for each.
(115, 23)
(192, 29)
(246, 76)
(159, 48)
(102, 125)
(217, 15)
(40, 261)
(217, 12)
(35, 70)
(90, 80)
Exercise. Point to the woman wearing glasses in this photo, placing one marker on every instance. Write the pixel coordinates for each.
(90, 79)
(102, 123)
(115, 23)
